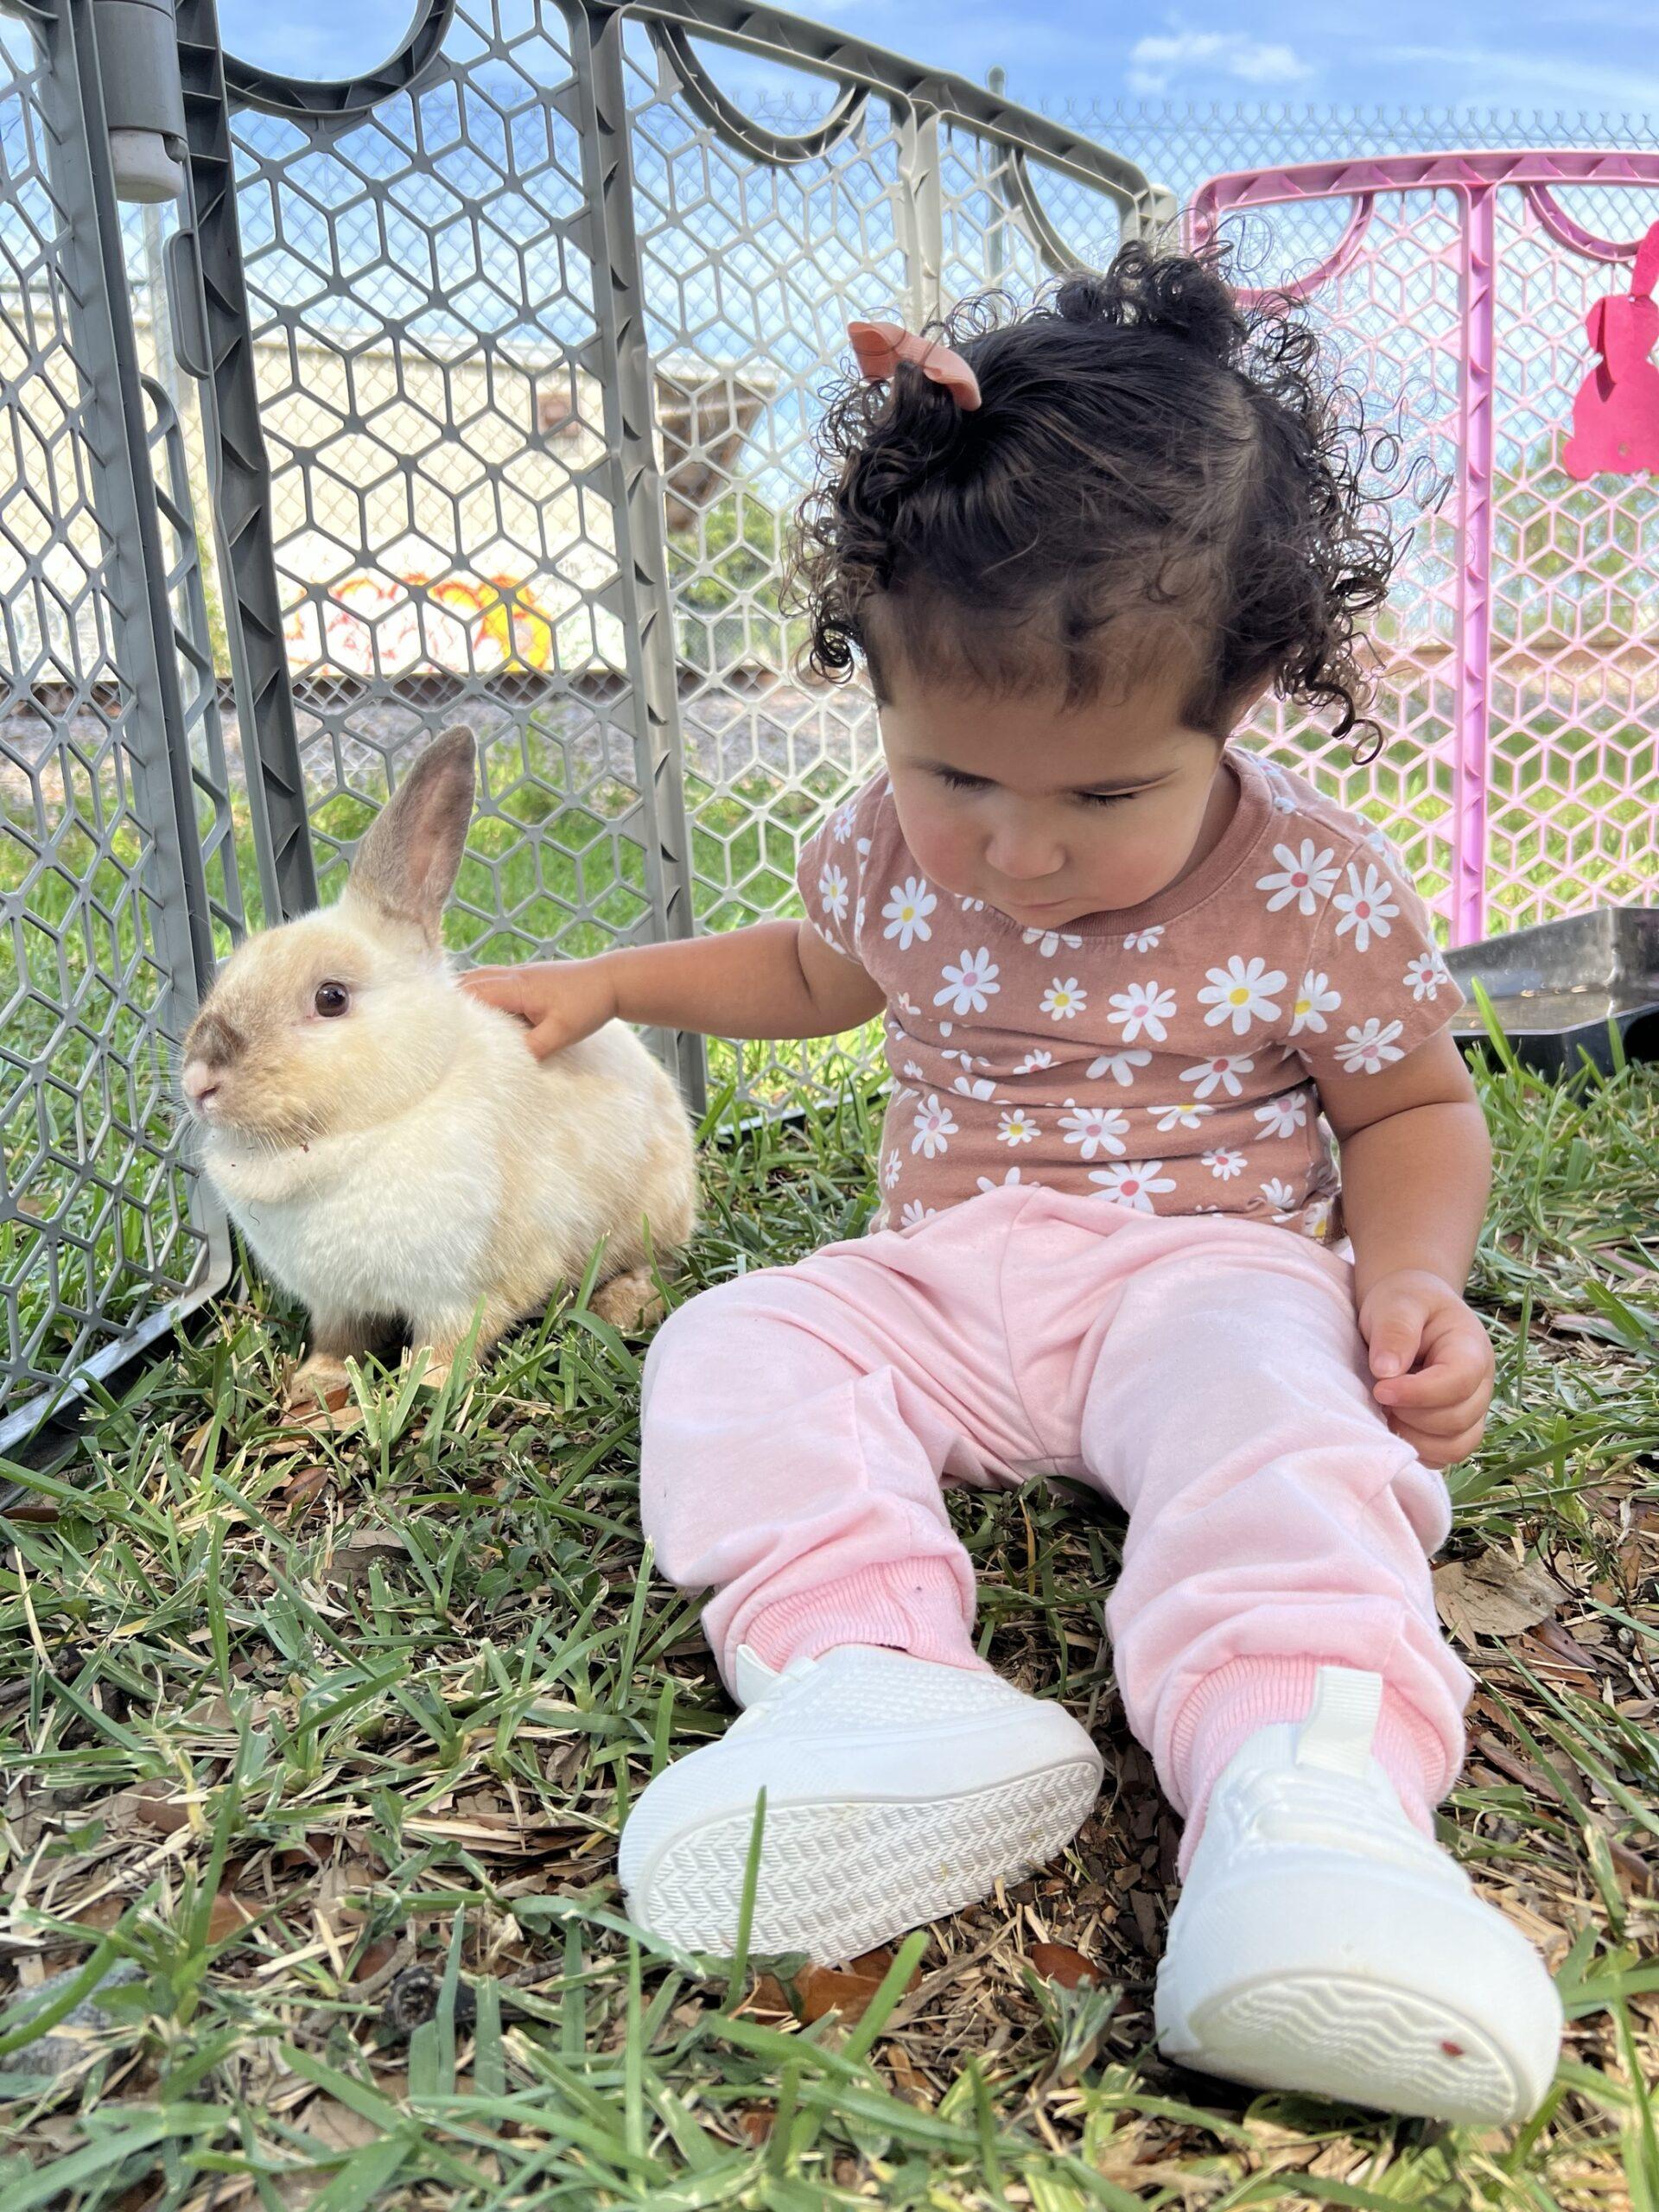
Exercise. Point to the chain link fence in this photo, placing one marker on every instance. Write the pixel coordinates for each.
(487, 383)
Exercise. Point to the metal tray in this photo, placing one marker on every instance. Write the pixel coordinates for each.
(1555, 988)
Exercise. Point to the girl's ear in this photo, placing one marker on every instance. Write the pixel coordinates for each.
(407, 860)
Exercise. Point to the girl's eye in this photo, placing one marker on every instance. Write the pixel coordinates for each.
(953, 779)
(1104, 799)
(331, 999)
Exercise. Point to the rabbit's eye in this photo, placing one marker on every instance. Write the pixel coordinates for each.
(331, 998)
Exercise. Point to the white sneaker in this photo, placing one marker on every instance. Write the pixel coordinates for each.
(897, 1790)
(1322, 1943)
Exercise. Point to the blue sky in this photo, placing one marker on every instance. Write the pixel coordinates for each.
(1585, 55)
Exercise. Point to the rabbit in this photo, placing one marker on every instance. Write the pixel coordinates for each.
(389, 1147)
(1616, 414)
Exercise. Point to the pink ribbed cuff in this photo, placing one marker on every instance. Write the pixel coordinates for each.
(1250, 1694)
(912, 1605)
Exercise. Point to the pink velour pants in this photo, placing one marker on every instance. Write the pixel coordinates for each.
(1205, 1371)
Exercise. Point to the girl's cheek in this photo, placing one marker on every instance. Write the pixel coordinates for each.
(945, 850)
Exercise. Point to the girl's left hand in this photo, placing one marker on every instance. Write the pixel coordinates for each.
(1433, 1363)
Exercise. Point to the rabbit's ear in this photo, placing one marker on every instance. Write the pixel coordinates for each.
(407, 860)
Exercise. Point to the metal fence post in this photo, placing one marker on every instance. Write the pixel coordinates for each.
(642, 599)
(1479, 276)
(921, 212)
(210, 264)
(106, 352)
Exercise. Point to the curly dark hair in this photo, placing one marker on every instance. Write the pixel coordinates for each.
(1156, 469)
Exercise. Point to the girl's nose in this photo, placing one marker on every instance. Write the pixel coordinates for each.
(1024, 855)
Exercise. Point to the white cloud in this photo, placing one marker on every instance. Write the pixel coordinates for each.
(1156, 60)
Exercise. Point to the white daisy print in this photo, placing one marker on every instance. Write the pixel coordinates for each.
(969, 986)
(890, 1169)
(1094, 1128)
(909, 903)
(971, 905)
(1064, 1001)
(1224, 1164)
(1305, 876)
(858, 919)
(1015, 1127)
(1315, 1000)
(1187, 1115)
(1365, 905)
(832, 889)
(990, 1183)
(935, 1128)
(1225, 1072)
(1316, 1219)
(1133, 1182)
(915, 1214)
(1144, 940)
(1121, 1066)
(845, 817)
(1049, 942)
(911, 1072)
(1142, 1006)
(1032, 1061)
(907, 1005)
(974, 1086)
(1279, 1195)
(1425, 973)
(1368, 1051)
(1241, 993)
(1284, 1115)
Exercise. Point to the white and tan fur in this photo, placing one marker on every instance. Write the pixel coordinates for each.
(407, 1162)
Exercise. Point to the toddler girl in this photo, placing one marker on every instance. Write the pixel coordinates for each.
(1132, 979)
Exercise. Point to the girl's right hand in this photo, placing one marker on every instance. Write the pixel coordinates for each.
(560, 1001)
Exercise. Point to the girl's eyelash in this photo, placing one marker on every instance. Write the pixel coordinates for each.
(955, 780)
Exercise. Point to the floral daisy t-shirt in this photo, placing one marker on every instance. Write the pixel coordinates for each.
(1166, 1056)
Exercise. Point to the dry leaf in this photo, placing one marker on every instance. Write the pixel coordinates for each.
(910, 2079)
(153, 1804)
(1494, 1595)
(847, 1990)
(298, 1491)
(226, 1913)
(1060, 1963)
(755, 2121)
(373, 1956)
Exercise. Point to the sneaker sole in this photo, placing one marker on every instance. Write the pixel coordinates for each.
(841, 1875)
(1439, 2009)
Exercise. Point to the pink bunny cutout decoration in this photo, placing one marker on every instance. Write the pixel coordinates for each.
(1616, 414)
(879, 347)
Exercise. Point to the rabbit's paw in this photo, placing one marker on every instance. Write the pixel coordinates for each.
(318, 1385)
(629, 1302)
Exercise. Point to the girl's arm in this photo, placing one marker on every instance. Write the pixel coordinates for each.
(774, 980)
(1416, 1163)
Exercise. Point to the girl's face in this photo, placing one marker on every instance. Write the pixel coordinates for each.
(1051, 816)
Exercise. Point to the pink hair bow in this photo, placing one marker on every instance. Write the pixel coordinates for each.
(880, 347)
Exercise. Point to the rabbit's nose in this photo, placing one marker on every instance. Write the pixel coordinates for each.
(199, 1081)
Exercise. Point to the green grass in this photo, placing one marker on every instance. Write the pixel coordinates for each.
(293, 1714)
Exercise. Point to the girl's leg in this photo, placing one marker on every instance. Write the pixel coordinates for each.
(796, 1425)
(1275, 1522)
(796, 1428)
(1278, 1652)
